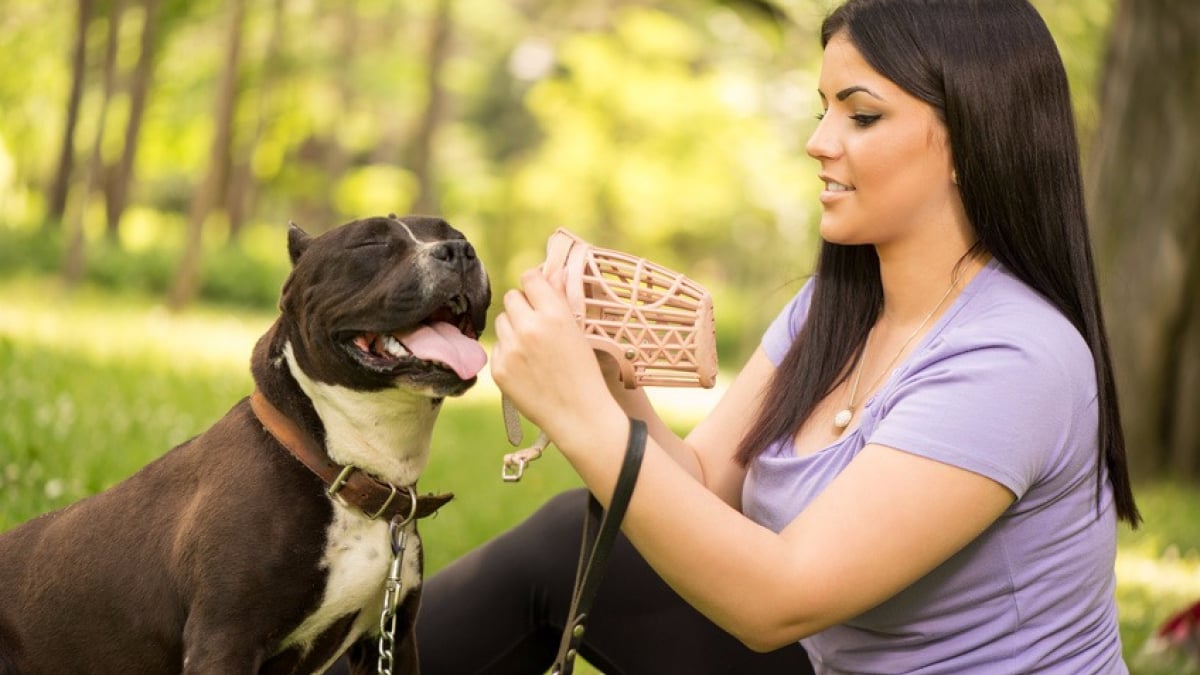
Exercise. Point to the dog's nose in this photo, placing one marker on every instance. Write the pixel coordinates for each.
(455, 253)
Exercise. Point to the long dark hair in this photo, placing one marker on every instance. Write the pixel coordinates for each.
(992, 72)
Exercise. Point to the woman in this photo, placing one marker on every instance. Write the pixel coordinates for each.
(921, 468)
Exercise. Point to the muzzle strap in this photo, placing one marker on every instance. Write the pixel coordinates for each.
(599, 533)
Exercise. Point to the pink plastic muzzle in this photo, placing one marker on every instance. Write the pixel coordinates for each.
(656, 323)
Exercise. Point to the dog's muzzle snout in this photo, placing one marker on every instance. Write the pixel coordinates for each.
(456, 254)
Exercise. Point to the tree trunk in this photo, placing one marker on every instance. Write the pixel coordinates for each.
(422, 163)
(57, 198)
(74, 262)
(1144, 204)
(209, 195)
(117, 192)
(242, 183)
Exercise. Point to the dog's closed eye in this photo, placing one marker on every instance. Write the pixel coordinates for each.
(364, 244)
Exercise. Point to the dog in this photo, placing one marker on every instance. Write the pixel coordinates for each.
(268, 543)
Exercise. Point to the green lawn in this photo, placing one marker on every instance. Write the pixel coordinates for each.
(93, 386)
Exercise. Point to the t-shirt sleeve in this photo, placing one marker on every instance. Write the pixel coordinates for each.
(991, 406)
(782, 332)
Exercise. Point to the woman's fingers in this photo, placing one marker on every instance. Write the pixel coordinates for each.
(541, 359)
(543, 293)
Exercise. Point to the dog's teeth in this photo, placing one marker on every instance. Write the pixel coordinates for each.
(393, 346)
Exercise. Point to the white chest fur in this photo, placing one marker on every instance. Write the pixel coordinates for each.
(386, 433)
(358, 557)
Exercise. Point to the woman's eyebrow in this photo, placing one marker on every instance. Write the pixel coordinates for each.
(845, 93)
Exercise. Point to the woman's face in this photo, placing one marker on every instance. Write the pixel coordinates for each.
(884, 156)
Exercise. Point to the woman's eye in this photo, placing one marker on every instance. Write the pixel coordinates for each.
(860, 119)
(864, 120)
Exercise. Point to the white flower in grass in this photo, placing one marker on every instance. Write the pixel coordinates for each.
(55, 488)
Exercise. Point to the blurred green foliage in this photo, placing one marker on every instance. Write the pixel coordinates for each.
(671, 129)
(242, 275)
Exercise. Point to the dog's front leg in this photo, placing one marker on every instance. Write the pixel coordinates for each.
(363, 657)
(220, 650)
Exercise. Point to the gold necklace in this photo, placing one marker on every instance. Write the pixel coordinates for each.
(842, 419)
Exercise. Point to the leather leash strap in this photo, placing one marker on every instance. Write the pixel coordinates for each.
(599, 532)
(354, 486)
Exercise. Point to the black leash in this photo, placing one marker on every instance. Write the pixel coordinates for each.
(599, 531)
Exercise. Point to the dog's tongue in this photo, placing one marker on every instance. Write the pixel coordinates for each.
(446, 344)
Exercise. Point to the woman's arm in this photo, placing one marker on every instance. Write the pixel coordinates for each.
(889, 518)
(886, 521)
(707, 452)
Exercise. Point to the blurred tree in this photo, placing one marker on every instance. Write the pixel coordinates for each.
(1143, 176)
(671, 128)
(61, 183)
(772, 11)
(74, 258)
(119, 177)
(659, 137)
(211, 191)
(243, 183)
(326, 152)
(421, 161)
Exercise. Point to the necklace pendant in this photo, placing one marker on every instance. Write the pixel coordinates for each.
(842, 419)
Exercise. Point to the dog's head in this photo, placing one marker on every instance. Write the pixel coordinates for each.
(387, 302)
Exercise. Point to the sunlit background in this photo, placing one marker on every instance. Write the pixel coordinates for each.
(138, 267)
(674, 129)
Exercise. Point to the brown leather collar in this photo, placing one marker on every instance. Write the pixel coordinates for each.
(354, 486)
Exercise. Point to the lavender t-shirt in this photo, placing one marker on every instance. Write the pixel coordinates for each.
(1003, 386)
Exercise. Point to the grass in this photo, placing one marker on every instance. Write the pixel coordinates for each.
(93, 385)
(96, 385)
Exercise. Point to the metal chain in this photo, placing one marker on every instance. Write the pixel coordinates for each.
(398, 536)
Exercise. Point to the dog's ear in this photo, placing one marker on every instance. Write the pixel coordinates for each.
(298, 241)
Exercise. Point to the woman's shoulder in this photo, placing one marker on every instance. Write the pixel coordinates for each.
(782, 331)
(1005, 313)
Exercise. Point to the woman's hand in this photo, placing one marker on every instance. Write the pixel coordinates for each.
(542, 361)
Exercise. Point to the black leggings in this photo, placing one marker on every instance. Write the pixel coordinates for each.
(500, 609)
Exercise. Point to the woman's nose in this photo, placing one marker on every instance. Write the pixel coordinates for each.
(821, 144)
